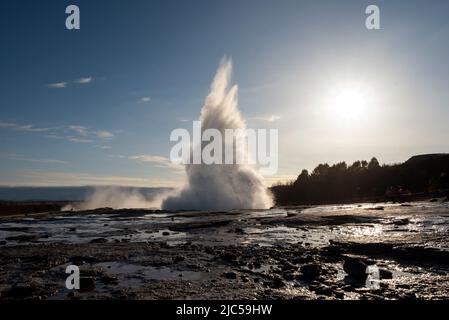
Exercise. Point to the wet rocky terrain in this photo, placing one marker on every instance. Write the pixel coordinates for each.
(361, 251)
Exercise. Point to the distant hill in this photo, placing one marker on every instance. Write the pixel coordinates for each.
(420, 176)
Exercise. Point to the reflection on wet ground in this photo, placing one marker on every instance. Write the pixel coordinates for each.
(308, 252)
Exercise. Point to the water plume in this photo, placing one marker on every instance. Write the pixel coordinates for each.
(221, 186)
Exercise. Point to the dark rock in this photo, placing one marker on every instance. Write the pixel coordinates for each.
(229, 256)
(72, 229)
(310, 271)
(80, 260)
(401, 222)
(230, 275)
(23, 238)
(324, 290)
(277, 283)
(379, 208)
(339, 294)
(288, 275)
(20, 291)
(385, 274)
(15, 229)
(87, 284)
(178, 259)
(99, 240)
(2, 243)
(109, 279)
(165, 233)
(289, 266)
(355, 268)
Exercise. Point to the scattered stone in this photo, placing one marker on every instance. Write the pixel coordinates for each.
(401, 222)
(355, 268)
(87, 284)
(24, 238)
(385, 274)
(230, 275)
(178, 259)
(379, 208)
(288, 275)
(20, 291)
(310, 271)
(289, 266)
(99, 240)
(107, 279)
(277, 283)
(324, 290)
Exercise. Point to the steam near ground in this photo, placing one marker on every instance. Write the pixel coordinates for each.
(221, 186)
(121, 198)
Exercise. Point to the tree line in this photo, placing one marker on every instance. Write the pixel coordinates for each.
(420, 176)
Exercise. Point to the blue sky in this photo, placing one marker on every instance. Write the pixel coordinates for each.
(96, 106)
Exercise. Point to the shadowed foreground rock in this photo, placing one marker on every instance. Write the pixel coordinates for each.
(283, 253)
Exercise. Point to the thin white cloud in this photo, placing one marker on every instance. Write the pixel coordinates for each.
(80, 130)
(69, 138)
(145, 99)
(21, 158)
(86, 80)
(118, 156)
(19, 127)
(150, 158)
(103, 134)
(79, 140)
(72, 133)
(158, 161)
(57, 85)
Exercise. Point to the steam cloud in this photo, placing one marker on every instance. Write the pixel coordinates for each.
(221, 186)
(120, 198)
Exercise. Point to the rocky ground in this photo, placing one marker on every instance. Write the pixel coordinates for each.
(389, 251)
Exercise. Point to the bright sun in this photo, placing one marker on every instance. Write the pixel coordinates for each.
(348, 103)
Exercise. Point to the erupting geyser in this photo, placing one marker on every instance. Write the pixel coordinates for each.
(221, 186)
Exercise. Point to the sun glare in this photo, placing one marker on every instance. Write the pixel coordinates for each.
(348, 103)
